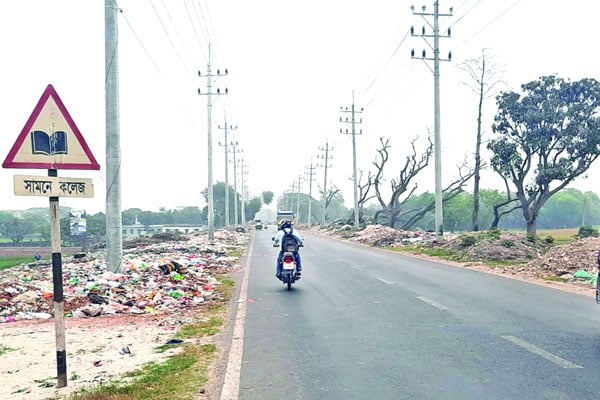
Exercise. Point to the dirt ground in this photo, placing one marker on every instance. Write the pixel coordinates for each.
(98, 350)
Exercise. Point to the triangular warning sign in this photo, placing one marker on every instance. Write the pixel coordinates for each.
(50, 139)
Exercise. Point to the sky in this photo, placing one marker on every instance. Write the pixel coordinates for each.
(291, 67)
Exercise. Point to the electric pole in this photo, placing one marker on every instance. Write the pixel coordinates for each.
(325, 157)
(439, 217)
(231, 128)
(311, 174)
(298, 199)
(209, 75)
(243, 173)
(353, 123)
(235, 152)
(114, 222)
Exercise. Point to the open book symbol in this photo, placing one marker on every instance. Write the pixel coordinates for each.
(42, 143)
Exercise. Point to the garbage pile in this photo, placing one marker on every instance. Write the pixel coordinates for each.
(155, 277)
(382, 236)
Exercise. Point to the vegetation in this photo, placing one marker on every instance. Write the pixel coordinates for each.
(179, 377)
(8, 262)
(546, 138)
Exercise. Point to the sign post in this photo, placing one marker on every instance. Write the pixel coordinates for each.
(51, 140)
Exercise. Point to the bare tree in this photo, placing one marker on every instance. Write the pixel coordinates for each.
(402, 185)
(465, 173)
(329, 196)
(363, 191)
(483, 81)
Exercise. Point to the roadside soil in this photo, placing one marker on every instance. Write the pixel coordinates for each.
(99, 350)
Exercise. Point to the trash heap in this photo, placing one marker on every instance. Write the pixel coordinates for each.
(164, 274)
(381, 236)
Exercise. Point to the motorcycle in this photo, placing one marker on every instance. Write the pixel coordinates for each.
(288, 262)
(288, 271)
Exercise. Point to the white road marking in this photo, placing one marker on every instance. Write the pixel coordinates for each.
(231, 384)
(561, 362)
(384, 281)
(433, 303)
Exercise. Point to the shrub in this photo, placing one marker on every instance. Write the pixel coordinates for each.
(587, 231)
(493, 233)
(549, 239)
(508, 243)
(531, 238)
(468, 240)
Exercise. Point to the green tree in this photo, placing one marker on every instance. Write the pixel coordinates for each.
(267, 197)
(96, 225)
(16, 228)
(546, 138)
(456, 212)
(252, 207)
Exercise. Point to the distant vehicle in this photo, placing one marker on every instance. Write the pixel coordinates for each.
(285, 214)
(258, 225)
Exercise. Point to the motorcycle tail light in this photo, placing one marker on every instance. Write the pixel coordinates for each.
(288, 259)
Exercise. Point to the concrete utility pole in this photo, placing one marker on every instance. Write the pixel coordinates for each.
(114, 222)
(311, 175)
(235, 191)
(232, 128)
(298, 199)
(243, 173)
(209, 93)
(439, 217)
(325, 157)
(353, 123)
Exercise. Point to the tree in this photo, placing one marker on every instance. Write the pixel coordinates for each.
(252, 207)
(484, 79)
(267, 197)
(402, 188)
(15, 228)
(390, 209)
(546, 138)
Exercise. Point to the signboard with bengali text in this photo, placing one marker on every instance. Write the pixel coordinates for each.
(57, 186)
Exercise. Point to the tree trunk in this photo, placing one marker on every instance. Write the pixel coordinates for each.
(531, 230)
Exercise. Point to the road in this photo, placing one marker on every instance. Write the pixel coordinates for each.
(364, 323)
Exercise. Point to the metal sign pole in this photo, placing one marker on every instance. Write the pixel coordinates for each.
(57, 280)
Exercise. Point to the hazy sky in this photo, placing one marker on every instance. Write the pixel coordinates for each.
(291, 65)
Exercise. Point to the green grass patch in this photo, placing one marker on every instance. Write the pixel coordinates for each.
(501, 263)
(556, 279)
(178, 378)
(4, 349)
(236, 253)
(560, 236)
(9, 262)
(209, 327)
(429, 251)
(227, 286)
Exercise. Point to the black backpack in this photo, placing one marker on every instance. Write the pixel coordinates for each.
(289, 243)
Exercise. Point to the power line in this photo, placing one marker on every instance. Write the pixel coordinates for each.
(200, 44)
(177, 31)
(171, 41)
(489, 23)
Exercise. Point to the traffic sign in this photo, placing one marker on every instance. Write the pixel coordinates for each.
(27, 185)
(50, 139)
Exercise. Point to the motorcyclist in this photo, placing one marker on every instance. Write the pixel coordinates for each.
(285, 229)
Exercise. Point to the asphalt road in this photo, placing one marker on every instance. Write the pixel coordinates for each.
(369, 324)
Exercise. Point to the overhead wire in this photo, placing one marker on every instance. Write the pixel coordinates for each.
(197, 36)
(174, 26)
(154, 64)
(489, 23)
(190, 74)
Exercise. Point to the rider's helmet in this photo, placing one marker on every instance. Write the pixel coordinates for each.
(285, 223)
